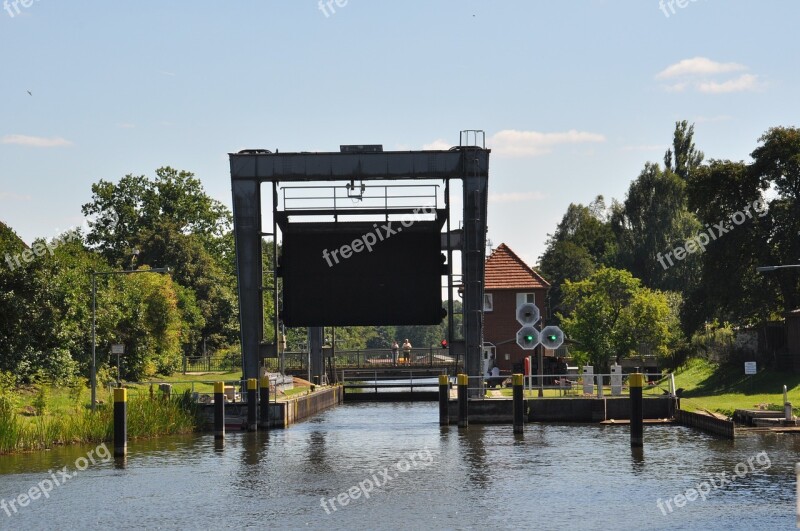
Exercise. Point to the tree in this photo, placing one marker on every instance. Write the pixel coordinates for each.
(173, 223)
(776, 162)
(610, 315)
(683, 158)
(150, 325)
(652, 222)
(727, 198)
(582, 242)
(136, 205)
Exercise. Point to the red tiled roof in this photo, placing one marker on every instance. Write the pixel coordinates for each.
(506, 270)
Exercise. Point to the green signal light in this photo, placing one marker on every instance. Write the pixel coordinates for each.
(552, 337)
(528, 338)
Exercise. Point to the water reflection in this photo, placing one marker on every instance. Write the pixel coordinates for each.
(578, 476)
(474, 453)
(637, 460)
(316, 452)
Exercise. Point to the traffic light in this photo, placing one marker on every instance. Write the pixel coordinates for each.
(527, 338)
(527, 314)
(444, 343)
(552, 337)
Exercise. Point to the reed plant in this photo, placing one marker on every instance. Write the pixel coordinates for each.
(147, 417)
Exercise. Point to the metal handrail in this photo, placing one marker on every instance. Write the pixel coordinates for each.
(572, 381)
(384, 198)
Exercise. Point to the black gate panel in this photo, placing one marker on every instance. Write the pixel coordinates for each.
(362, 273)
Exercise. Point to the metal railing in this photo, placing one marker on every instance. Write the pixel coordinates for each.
(198, 388)
(402, 381)
(370, 359)
(359, 197)
(564, 385)
(209, 364)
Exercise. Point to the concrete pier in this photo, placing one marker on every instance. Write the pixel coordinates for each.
(281, 414)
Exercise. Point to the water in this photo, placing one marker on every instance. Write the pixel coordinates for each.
(555, 477)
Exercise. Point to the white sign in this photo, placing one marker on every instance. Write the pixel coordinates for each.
(749, 367)
(118, 349)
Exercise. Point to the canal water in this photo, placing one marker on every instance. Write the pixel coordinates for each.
(390, 466)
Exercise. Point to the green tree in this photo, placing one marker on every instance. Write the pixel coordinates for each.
(731, 291)
(136, 206)
(610, 315)
(776, 162)
(683, 158)
(173, 223)
(150, 326)
(652, 222)
(582, 242)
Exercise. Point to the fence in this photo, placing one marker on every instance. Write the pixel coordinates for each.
(210, 364)
(367, 359)
(556, 385)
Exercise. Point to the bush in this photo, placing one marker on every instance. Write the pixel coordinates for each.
(40, 403)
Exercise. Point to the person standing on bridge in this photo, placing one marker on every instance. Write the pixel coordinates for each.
(395, 349)
(407, 350)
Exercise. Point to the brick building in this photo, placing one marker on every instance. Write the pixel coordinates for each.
(509, 282)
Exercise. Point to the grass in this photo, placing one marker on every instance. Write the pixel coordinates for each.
(725, 388)
(78, 424)
(38, 417)
(43, 416)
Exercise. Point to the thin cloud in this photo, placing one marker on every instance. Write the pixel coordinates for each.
(515, 143)
(644, 147)
(743, 83)
(702, 66)
(35, 141)
(677, 87)
(708, 77)
(437, 145)
(712, 119)
(10, 196)
(516, 197)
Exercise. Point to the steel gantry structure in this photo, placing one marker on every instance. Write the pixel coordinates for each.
(252, 168)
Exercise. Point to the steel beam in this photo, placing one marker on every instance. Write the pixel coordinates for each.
(247, 232)
(391, 165)
(316, 366)
(473, 265)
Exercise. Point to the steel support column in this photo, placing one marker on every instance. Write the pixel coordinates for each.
(316, 365)
(247, 232)
(473, 265)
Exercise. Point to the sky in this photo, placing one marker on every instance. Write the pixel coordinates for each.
(574, 96)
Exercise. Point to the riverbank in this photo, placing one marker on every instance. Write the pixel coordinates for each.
(725, 388)
(44, 416)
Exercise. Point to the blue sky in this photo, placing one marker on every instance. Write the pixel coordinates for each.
(574, 96)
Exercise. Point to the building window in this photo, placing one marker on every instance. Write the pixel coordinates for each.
(522, 298)
(488, 302)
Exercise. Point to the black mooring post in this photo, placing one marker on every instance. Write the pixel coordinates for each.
(219, 410)
(444, 399)
(252, 404)
(463, 404)
(120, 422)
(263, 418)
(519, 403)
(636, 383)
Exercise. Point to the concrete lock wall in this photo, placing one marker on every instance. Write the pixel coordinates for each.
(724, 428)
(564, 409)
(281, 414)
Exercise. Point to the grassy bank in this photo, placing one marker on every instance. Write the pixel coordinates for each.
(725, 388)
(38, 417)
(43, 417)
